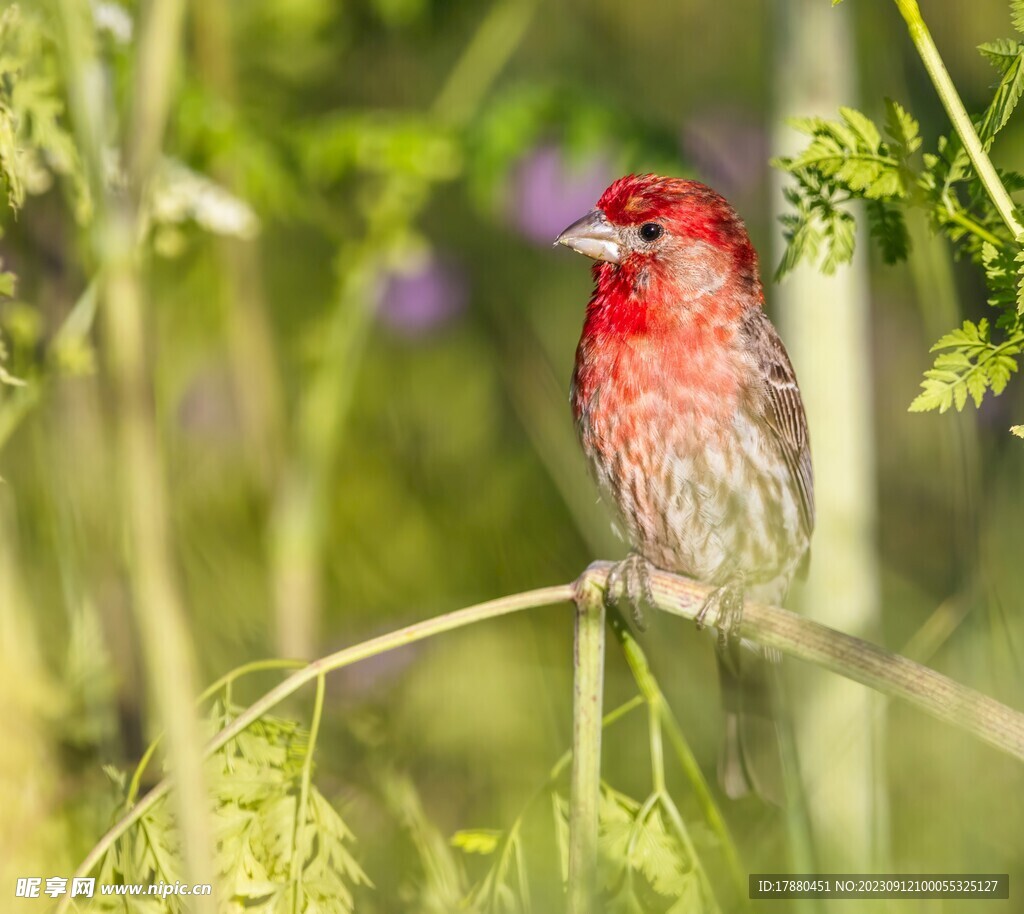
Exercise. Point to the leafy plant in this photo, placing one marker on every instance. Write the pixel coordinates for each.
(35, 144)
(853, 159)
(281, 847)
(647, 860)
(969, 362)
(644, 865)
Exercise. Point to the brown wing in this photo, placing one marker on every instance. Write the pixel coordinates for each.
(785, 410)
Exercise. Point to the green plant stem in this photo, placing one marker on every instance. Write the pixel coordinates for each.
(649, 688)
(164, 635)
(979, 231)
(612, 717)
(247, 325)
(486, 55)
(676, 821)
(654, 727)
(156, 604)
(950, 98)
(661, 797)
(163, 632)
(533, 599)
(585, 780)
(299, 850)
(159, 41)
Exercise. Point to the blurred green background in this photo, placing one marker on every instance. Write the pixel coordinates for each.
(359, 344)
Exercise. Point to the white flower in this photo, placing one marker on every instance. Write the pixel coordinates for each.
(180, 194)
(114, 19)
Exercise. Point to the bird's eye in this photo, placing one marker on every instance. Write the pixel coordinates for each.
(651, 231)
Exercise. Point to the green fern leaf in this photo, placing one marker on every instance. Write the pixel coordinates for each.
(840, 234)
(863, 126)
(902, 128)
(969, 363)
(1008, 57)
(1001, 53)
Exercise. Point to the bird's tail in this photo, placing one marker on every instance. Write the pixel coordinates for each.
(751, 757)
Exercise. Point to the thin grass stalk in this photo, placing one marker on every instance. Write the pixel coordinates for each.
(159, 614)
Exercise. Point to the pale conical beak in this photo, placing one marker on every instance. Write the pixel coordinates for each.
(594, 236)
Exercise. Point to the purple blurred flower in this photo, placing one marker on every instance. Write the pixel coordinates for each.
(427, 297)
(549, 192)
(729, 149)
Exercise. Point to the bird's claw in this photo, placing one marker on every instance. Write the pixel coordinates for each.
(631, 578)
(727, 603)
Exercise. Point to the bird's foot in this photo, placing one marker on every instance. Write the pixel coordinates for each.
(726, 602)
(631, 579)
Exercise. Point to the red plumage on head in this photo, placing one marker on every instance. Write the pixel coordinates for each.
(687, 207)
(648, 290)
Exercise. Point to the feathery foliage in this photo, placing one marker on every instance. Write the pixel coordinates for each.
(35, 145)
(852, 159)
(647, 860)
(272, 856)
(969, 362)
(643, 863)
(847, 159)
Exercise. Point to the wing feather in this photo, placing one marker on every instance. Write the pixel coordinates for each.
(785, 408)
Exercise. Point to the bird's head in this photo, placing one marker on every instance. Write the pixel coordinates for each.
(666, 239)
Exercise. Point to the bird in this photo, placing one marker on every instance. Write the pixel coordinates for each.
(688, 411)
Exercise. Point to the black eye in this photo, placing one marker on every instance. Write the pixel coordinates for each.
(650, 231)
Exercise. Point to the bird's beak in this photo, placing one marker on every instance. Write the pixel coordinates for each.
(594, 236)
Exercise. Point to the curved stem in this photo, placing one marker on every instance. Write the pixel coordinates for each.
(640, 820)
(654, 725)
(300, 809)
(682, 832)
(950, 98)
(957, 216)
(531, 599)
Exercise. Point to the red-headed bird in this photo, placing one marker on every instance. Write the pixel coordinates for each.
(689, 412)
